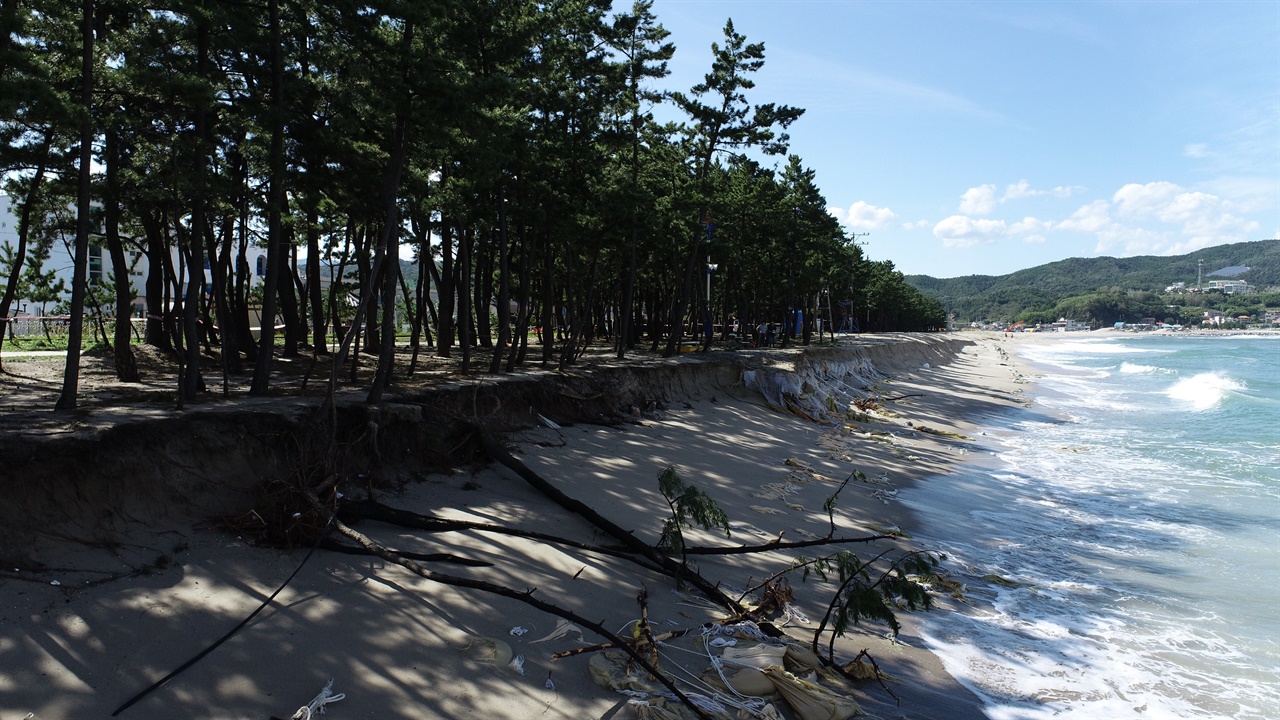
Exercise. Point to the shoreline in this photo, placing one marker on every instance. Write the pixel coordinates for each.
(398, 646)
(1094, 504)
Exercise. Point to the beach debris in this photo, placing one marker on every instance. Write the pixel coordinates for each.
(317, 704)
(792, 614)
(809, 700)
(884, 495)
(943, 433)
(722, 642)
(547, 421)
(860, 669)
(549, 685)
(489, 651)
(564, 628)
(893, 530)
(517, 662)
(758, 656)
(801, 658)
(747, 681)
(1002, 581)
(518, 630)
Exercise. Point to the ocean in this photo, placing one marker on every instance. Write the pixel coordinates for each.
(1120, 538)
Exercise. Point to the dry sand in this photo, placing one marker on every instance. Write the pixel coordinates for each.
(398, 646)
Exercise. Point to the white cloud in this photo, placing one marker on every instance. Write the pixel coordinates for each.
(1144, 200)
(1030, 225)
(916, 225)
(1160, 218)
(961, 231)
(1019, 190)
(979, 200)
(1196, 150)
(1089, 218)
(1022, 189)
(1208, 219)
(1156, 218)
(864, 216)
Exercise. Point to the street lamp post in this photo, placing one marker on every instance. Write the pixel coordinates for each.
(711, 267)
(706, 220)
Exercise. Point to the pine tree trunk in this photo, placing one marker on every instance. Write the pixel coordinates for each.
(71, 371)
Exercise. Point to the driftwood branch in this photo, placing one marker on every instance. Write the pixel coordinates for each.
(628, 540)
(525, 597)
(352, 511)
(340, 547)
(779, 545)
(605, 646)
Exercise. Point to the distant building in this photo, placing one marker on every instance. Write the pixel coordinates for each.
(1178, 287)
(1065, 325)
(1230, 287)
(99, 265)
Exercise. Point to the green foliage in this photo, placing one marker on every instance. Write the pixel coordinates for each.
(689, 506)
(869, 590)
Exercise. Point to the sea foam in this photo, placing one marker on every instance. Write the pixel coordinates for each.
(1203, 391)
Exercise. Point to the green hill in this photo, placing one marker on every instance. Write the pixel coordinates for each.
(1041, 288)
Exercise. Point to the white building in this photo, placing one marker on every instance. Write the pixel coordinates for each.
(60, 262)
(1230, 287)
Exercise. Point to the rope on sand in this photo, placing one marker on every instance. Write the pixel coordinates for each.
(316, 706)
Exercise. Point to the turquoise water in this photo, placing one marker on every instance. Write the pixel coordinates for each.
(1134, 510)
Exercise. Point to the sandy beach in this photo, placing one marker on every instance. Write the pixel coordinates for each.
(75, 643)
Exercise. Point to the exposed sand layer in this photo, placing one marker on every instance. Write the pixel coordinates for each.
(74, 644)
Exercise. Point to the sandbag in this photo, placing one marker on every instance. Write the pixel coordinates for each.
(810, 701)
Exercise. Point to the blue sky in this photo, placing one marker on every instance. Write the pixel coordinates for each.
(989, 137)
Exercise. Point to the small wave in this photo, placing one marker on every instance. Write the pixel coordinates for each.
(1129, 368)
(1204, 391)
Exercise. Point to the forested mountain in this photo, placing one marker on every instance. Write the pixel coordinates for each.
(1040, 289)
(510, 146)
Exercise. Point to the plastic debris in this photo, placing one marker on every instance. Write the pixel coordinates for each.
(791, 614)
(564, 628)
(547, 422)
(723, 642)
(517, 662)
(518, 630)
(646, 710)
(549, 685)
(489, 651)
(54, 582)
(316, 706)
